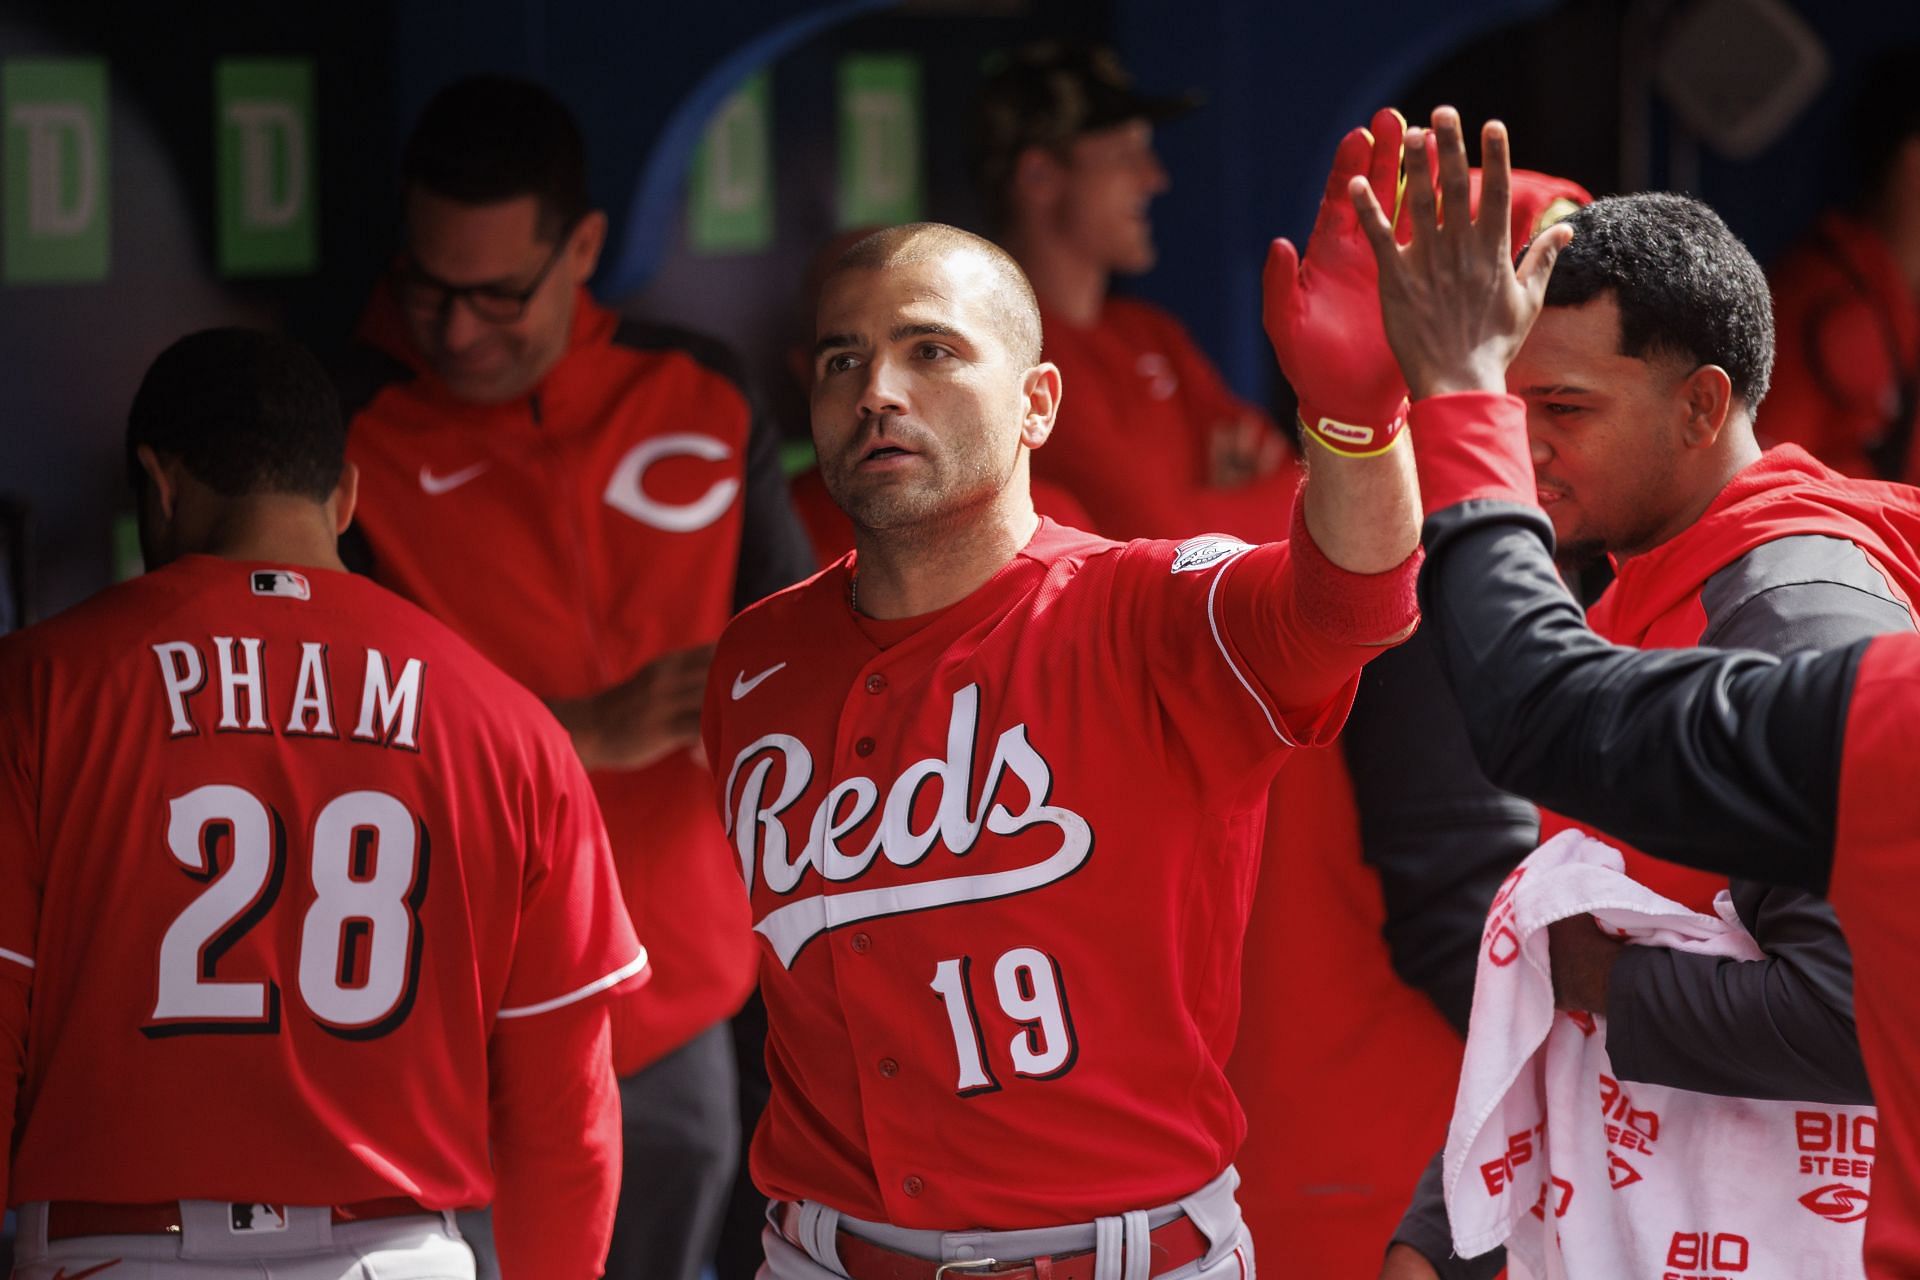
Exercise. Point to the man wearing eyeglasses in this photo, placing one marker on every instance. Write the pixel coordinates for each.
(588, 500)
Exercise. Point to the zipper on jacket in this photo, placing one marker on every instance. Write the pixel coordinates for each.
(583, 590)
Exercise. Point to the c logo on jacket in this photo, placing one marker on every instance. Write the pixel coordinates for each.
(627, 493)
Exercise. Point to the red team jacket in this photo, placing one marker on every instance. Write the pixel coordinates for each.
(1849, 327)
(1000, 860)
(1654, 601)
(273, 907)
(573, 536)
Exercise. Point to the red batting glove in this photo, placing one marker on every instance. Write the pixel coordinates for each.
(1323, 314)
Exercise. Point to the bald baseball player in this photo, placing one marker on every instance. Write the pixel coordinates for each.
(306, 909)
(996, 786)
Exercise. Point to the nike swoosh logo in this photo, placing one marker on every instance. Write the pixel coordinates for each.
(64, 1274)
(743, 686)
(437, 485)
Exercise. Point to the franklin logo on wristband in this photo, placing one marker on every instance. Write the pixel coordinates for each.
(1352, 439)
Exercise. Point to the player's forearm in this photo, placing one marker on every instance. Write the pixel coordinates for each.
(1727, 762)
(1364, 513)
(556, 1144)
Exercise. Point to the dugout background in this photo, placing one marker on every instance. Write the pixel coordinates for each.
(1282, 81)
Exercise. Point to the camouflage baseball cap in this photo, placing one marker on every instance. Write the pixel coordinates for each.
(1049, 93)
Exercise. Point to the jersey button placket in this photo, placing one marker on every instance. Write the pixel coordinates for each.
(889, 1068)
(912, 1185)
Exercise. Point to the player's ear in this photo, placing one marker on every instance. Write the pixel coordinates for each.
(583, 248)
(1042, 387)
(1036, 178)
(166, 484)
(344, 498)
(1708, 396)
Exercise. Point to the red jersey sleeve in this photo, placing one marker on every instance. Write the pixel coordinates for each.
(555, 1116)
(1255, 650)
(575, 938)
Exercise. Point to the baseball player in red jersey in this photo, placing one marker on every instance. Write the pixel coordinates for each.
(304, 906)
(996, 787)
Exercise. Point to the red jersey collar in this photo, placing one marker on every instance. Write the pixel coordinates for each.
(1050, 542)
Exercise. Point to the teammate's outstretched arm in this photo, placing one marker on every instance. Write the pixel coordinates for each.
(1322, 314)
(1728, 762)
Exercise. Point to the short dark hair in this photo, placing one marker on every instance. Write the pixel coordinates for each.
(488, 139)
(1685, 284)
(247, 412)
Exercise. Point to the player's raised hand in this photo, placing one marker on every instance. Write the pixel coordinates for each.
(1322, 313)
(1454, 307)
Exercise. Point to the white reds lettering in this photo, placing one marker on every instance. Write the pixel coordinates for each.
(759, 835)
(627, 491)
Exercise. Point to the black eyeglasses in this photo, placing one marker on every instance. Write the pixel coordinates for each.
(419, 291)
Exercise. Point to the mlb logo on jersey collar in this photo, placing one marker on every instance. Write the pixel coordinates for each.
(282, 582)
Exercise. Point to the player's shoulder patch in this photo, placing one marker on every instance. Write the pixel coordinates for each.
(1208, 549)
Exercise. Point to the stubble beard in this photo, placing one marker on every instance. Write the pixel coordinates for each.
(919, 510)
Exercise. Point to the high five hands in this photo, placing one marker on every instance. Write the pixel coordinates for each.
(1455, 308)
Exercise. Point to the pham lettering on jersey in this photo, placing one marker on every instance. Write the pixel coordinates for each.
(760, 834)
(390, 706)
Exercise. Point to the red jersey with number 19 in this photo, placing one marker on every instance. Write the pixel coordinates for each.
(277, 849)
(1000, 859)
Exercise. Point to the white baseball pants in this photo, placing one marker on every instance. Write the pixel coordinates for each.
(800, 1240)
(312, 1247)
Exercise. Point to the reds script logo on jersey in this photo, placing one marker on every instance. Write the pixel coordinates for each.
(770, 775)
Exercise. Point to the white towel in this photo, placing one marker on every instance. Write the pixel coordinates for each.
(1587, 1177)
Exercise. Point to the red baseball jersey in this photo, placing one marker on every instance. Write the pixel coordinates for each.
(574, 535)
(1876, 869)
(277, 849)
(1000, 859)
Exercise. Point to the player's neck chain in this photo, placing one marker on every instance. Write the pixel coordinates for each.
(853, 590)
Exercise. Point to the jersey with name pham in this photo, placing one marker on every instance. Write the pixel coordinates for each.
(1000, 860)
(277, 849)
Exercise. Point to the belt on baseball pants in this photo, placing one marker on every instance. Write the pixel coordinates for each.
(1174, 1245)
(67, 1219)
